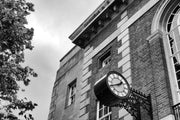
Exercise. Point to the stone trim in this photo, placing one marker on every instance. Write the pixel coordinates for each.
(86, 76)
(127, 73)
(123, 47)
(124, 14)
(85, 103)
(125, 38)
(126, 66)
(84, 84)
(122, 21)
(83, 97)
(85, 89)
(123, 34)
(85, 71)
(125, 52)
(154, 35)
(82, 112)
(123, 61)
(84, 117)
(88, 51)
(87, 64)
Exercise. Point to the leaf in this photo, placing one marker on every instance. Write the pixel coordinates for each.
(15, 38)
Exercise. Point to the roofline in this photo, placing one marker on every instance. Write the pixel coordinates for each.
(99, 10)
(67, 53)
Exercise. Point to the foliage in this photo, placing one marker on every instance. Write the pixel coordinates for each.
(15, 38)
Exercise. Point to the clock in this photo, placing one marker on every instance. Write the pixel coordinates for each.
(118, 84)
(111, 88)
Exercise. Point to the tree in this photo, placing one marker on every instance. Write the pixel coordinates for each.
(15, 38)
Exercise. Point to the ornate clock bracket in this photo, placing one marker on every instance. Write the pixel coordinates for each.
(135, 102)
(115, 91)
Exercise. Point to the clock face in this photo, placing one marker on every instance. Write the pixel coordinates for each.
(118, 84)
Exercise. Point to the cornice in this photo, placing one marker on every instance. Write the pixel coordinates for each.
(95, 22)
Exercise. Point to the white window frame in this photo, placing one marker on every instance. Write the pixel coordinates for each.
(71, 92)
(163, 18)
(103, 115)
(174, 50)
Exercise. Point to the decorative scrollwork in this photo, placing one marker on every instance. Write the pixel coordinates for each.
(134, 102)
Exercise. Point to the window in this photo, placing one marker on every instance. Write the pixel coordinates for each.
(105, 59)
(71, 92)
(103, 112)
(173, 35)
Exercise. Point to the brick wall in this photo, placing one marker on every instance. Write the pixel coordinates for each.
(142, 62)
(149, 70)
(135, 53)
(161, 87)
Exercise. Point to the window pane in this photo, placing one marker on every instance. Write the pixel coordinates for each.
(72, 91)
(173, 28)
(100, 113)
(105, 110)
(178, 75)
(105, 59)
(104, 113)
(179, 84)
(109, 109)
(107, 118)
(100, 106)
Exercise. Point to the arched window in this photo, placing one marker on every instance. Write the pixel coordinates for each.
(166, 22)
(173, 35)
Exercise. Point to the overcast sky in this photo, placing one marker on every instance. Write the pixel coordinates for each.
(53, 21)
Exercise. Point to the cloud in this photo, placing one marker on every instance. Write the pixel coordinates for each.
(53, 21)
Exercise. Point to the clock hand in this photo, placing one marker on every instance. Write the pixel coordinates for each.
(118, 84)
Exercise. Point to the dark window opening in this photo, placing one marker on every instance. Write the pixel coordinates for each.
(71, 93)
(105, 59)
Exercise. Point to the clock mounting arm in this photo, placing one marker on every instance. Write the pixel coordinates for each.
(133, 103)
(115, 91)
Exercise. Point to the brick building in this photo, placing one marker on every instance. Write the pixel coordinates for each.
(138, 38)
